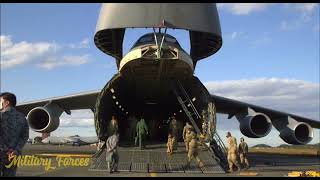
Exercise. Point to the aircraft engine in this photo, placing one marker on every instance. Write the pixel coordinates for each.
(292, 131)
(254, 125)
(44, 119)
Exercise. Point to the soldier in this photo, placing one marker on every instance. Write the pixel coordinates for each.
(142, 131)
(174, 131)
(194, 151)
(112, 152)
(14, 132)
(114, 125)
(170, 144)
(184, 133)
(189, 135)
(243, 151)
(232, 152)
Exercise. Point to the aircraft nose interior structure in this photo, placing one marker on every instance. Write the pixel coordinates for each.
(128, 102)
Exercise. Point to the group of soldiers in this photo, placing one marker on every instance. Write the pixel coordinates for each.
(234, 151)
(189, 138)
(192, 143)
(188, 135)
(141, 131)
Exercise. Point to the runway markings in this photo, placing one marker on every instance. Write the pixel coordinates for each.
(313, 173)
(295, 174)
(65, 155)
(153, 174)
(304, 174)
(248, 174)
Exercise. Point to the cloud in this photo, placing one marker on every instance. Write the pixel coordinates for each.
(303, 12)
(53, 62)
(236, 35)
(78, 118)
(22, 52)
(305, 7)
(243, 8)
(83, 44)
(44, 54)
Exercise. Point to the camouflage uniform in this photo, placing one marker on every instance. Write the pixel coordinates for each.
(112, 145)
(194, 151)
(170, 144)
(232, 153)
(174, 132)
(243, 151)
(14, 133)
(189, 135)
(142, 131)
(184, 135)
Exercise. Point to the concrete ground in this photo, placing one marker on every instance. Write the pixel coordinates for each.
(261, 164)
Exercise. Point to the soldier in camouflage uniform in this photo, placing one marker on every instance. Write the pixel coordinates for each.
(184, 135)
(14, 132)
(243, 151)
(170, 144)
(194, 151)
(232, 153)
(174, 132)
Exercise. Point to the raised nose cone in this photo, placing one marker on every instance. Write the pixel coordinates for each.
(203, 25)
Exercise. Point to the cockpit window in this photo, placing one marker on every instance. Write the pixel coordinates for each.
(150, 39)
(146, 39)
(169, 39)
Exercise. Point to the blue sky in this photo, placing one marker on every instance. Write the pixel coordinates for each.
(48, 50)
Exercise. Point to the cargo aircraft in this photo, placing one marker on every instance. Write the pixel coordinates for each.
(155, 79)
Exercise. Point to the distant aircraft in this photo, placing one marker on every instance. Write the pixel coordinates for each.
(29, 141)
(54, 140)
(156, 80)
(78, 141)
(37, 140)
(70, 140)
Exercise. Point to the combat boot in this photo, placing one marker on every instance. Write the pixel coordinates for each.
(201, 165)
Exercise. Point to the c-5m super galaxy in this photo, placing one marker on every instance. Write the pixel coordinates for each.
(155, 79)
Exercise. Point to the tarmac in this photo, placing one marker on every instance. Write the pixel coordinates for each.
(76, 161)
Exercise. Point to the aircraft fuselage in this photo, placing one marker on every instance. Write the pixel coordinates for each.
(143, 87)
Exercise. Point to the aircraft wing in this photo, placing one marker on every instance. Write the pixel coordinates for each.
(232, 107)
(84, 100)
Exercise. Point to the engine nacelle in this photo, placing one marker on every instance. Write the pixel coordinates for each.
(294, 132)
(45, 119)
(253, 124)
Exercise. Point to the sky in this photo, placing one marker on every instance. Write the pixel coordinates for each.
(269, 57)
